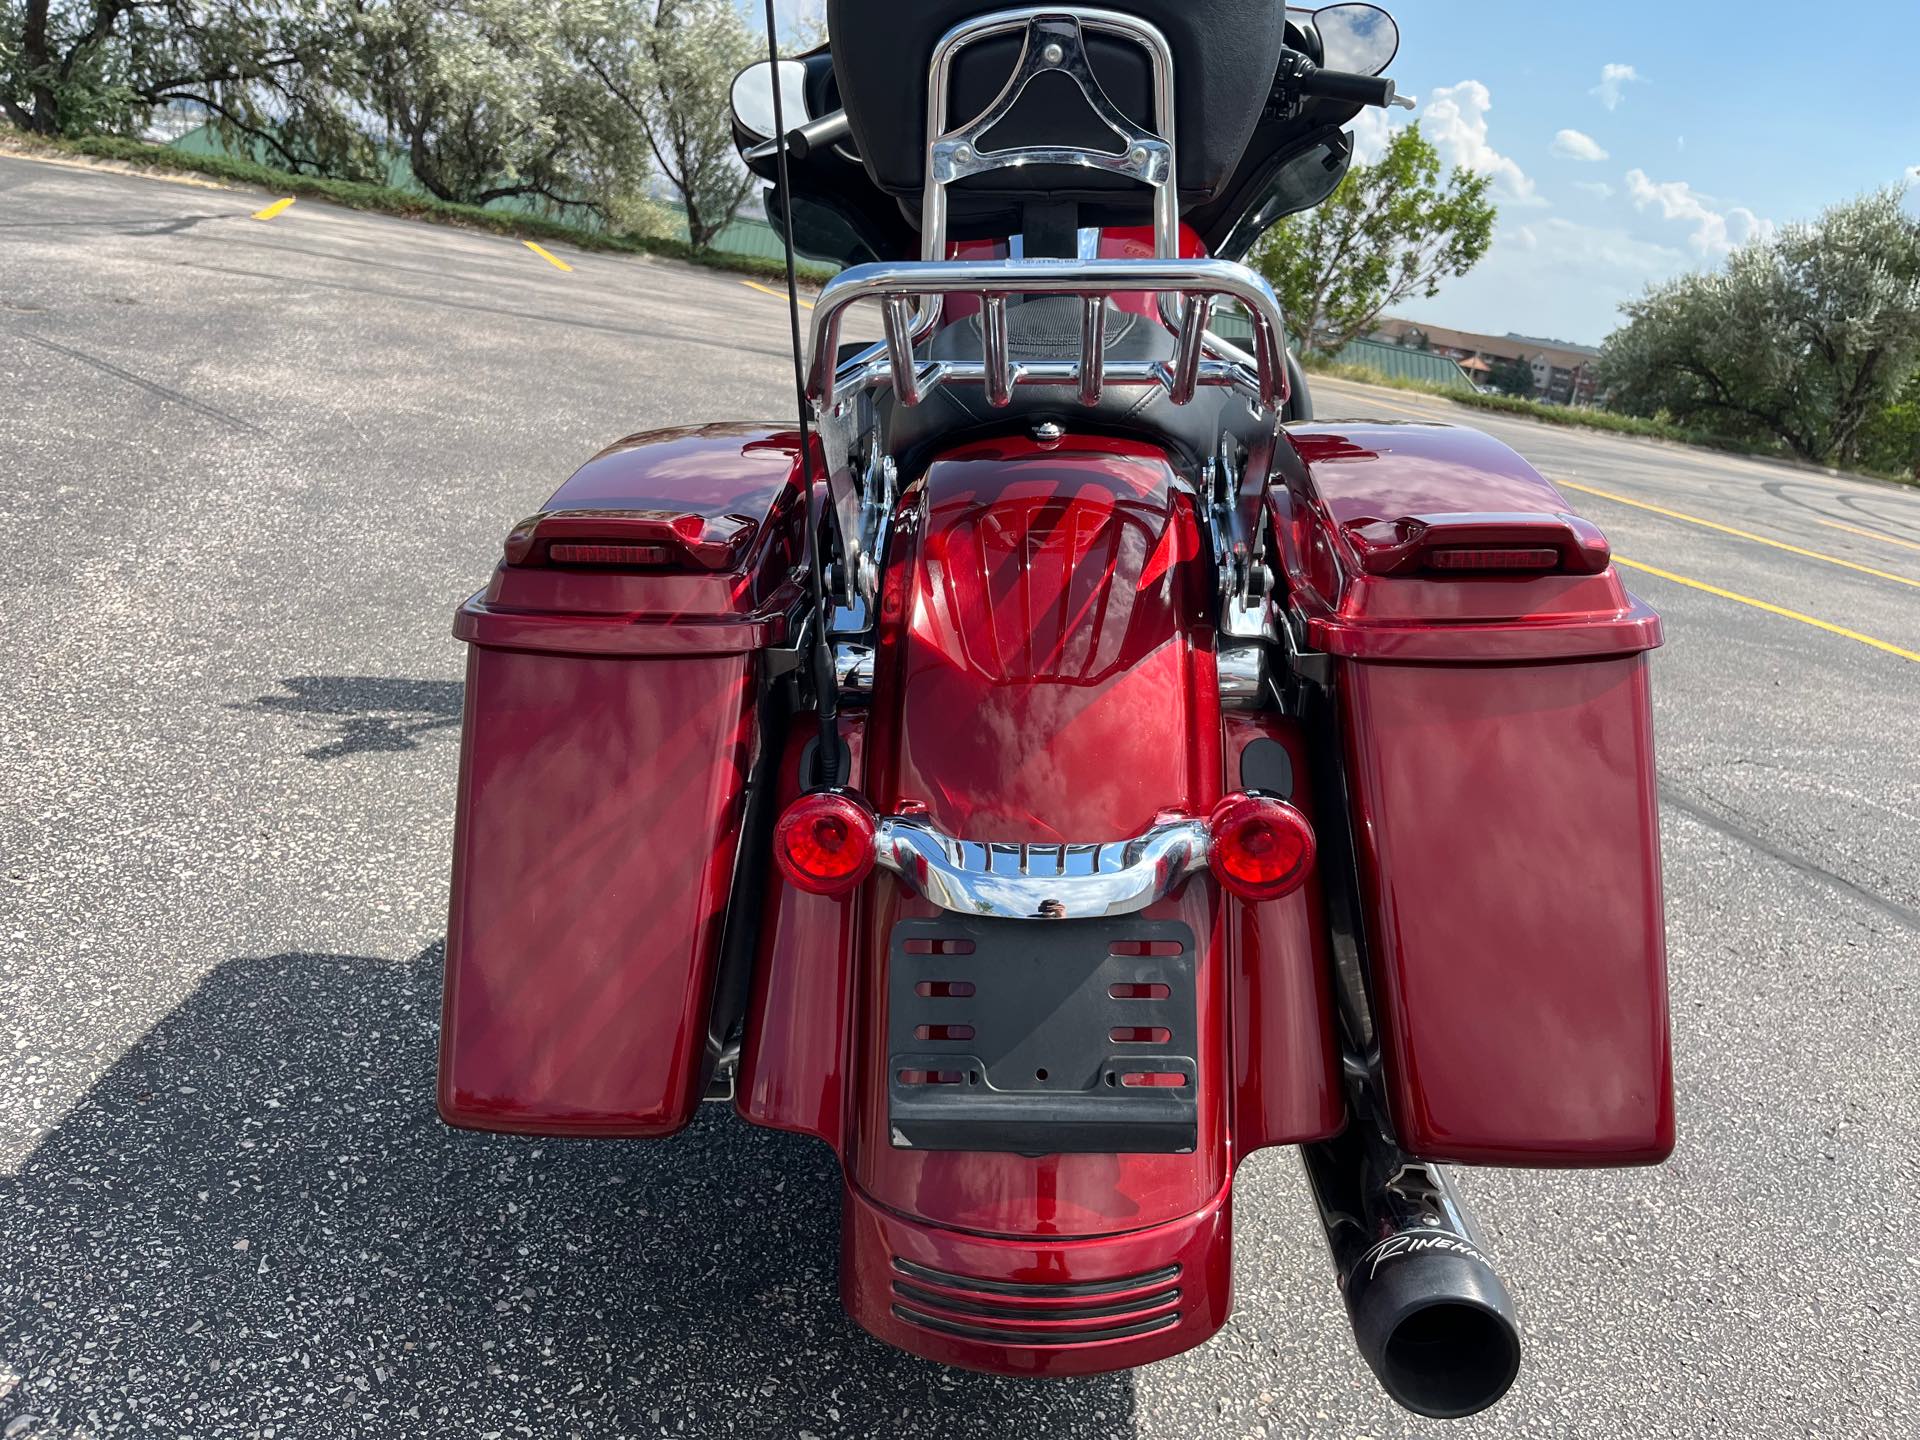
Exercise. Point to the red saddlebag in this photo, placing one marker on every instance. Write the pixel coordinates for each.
(1491, 682)
(611, 723)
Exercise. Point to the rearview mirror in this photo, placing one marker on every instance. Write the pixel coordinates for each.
(1361, 39)
(752, 97)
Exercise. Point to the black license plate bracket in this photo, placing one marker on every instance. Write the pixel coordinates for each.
(1042, 1037)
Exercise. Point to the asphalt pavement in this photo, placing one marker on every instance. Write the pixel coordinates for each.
(247, 468)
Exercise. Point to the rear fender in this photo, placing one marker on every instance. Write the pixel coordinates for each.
(1045, 672)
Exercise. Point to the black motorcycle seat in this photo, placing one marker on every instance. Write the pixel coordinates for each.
(1047, 327)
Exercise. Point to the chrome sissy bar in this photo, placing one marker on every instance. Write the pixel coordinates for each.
(912, 295)
(1053, 41)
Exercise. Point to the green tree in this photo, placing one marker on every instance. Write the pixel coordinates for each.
(71, 67)
(1512, 377)
(1803, 338)
(669, 64)
(1392, 232)
(485, 100)
(1890, 440)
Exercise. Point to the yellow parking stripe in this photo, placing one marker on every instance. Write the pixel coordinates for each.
(777, 294)
(1743, 534)
(1780, 610)
(547, 255)
(1871, 534)
(274, 209)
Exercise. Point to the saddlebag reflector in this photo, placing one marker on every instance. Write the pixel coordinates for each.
(1078, 1036)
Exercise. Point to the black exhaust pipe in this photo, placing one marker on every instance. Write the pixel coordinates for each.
(1430, 1315)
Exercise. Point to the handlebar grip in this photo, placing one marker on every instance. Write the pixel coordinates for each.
(818, 134)
(803, 140)
(1347, 86)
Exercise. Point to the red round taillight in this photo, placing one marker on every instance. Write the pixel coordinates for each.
(824, 842)
(1261, 849)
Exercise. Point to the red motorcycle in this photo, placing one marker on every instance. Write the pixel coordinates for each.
(1058, 768)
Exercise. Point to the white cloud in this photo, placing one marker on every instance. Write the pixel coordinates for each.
(1614, 79)
(1371, 131)
(1553, 276)
(1455, 120)
(1911, 178)
(1595, 187)
(1610, 249)
(1574, 145)
(1715, 231)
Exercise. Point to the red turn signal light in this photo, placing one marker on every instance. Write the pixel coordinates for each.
(1261, 849)
(823, 844)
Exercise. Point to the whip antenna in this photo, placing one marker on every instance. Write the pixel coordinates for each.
(826, 763)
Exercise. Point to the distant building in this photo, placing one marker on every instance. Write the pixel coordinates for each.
(1563, 373)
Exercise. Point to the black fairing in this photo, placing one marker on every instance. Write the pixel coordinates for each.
(1224, 54)
(1284, 172)
(847, 224)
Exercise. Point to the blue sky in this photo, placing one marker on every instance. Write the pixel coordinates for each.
(1688, 127)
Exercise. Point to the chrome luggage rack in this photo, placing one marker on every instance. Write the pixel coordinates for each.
(1199, 358)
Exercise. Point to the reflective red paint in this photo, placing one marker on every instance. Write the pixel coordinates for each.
(736, 481)
(793, 1059)
(1050, 665)
(1286, 1078)
(1045, 671)
(1267, 1070)
(1511, 859)
(1505, 808)
(1362, 507)
(934, 1291)
(602, 709)
(1000, 551)
(1057, 664)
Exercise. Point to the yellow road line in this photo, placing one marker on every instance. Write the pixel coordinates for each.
(1743, 534)
(1781, 610)
(547, 255)
(777, 294)
(274, 209)
(1871, 534)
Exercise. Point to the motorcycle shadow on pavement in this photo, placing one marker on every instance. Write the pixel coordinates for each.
(256, 1224)
(366, 713)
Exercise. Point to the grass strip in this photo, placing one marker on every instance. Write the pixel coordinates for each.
(408, 204)
(1578, 417)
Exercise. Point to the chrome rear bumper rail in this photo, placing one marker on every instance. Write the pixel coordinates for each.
(1013, 881)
